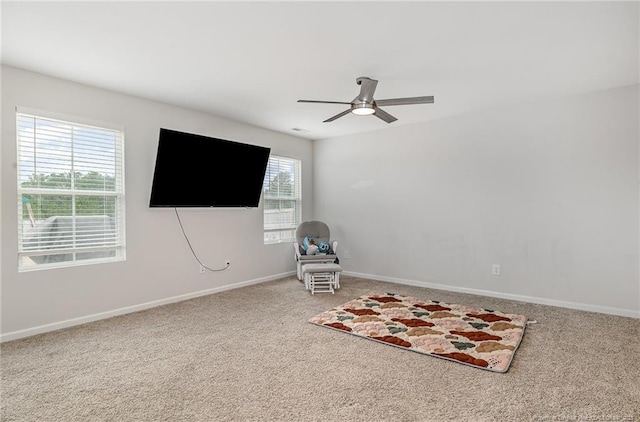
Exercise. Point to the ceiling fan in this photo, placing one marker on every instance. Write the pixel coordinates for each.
(364, 104)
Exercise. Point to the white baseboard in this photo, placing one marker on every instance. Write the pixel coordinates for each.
(521, 298)
(14, 335)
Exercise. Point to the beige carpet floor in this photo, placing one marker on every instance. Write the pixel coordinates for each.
(250, 355)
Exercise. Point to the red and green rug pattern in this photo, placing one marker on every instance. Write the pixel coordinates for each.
(478, 337)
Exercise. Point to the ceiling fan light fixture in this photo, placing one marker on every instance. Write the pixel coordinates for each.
(362, 109)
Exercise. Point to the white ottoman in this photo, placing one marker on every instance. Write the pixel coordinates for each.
(321, 277)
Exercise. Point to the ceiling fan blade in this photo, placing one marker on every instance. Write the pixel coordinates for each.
(344, 113)
(322, 102)
(384, 115)
(367, 88)
(405, 101)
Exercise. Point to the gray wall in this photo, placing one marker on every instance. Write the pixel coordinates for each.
(159, 266)
(547, 190)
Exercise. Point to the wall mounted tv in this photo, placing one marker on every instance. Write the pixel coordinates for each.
(200, 171)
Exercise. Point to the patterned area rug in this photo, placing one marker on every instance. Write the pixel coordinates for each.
(482, 338)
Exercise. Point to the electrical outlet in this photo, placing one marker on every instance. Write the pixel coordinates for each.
(346, 254)
(202, 269)
(495, 269)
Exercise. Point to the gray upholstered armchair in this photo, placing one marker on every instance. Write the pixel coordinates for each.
(319, 232)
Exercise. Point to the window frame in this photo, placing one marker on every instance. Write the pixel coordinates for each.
(78, 253)
(297, 198)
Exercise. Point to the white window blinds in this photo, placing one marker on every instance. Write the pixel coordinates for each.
(70, 192)
(282, 194)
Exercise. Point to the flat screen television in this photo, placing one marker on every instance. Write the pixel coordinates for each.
(200, 171)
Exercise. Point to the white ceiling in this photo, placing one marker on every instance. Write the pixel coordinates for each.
(252, 61)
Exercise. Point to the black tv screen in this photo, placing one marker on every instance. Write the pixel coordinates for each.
(200, 171)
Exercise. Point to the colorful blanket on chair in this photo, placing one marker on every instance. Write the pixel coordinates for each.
(482, 338)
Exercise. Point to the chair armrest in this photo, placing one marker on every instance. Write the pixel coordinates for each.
(296, 246)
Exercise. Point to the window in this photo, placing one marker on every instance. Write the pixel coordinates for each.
(70, 192)
(282, 199)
